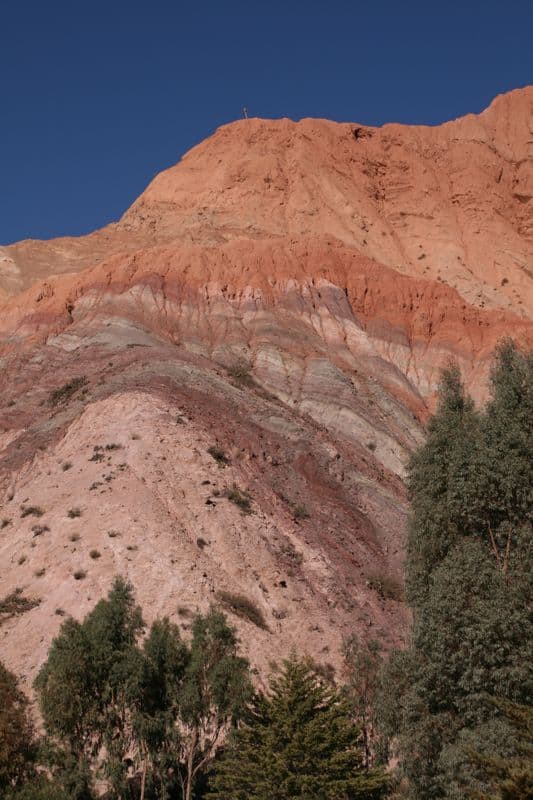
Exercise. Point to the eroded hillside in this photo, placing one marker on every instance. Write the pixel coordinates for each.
(257, 343)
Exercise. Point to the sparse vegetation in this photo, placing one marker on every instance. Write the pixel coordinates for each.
(240, 498)
(113, 446)
(290, 553)
(66, 391)
(242, 607)
(74, 537)
(300, 512)
(66, 465)
(201, 543)
(60, 612)
(241, 374)
(387, 587)
(39, 572)
(113, 534)
(98, 453)
(219, 456)
(79, 575)
(15, 603)
(21, 560)
(37, 530)
(94, 554)
(5, 522)
(31, 511)
(72, 513)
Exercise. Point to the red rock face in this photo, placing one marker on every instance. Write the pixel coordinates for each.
(287, 293)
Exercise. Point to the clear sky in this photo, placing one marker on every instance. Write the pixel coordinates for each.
(97, 97)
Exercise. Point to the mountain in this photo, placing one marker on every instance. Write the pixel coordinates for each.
(217, 395)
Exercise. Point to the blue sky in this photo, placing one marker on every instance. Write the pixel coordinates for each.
(97, 97)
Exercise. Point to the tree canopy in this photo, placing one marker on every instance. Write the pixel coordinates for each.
(296, 741)
(469, 584)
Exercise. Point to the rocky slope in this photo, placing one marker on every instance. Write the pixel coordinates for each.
(284, 297)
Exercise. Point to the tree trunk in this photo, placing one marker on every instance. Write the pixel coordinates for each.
(143, 778)
(190, 763)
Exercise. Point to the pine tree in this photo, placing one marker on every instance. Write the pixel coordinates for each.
(298, 741)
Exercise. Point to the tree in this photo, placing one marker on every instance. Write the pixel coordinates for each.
(40, 788)
(469, 584)
(214, 694)
(163, 671)
(298, 741)
(439, 474)
(507, 778)
(16, 732)
(88, 688)
(154, 711)
(362, 662)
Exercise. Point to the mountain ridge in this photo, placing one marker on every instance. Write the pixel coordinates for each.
(284, 297)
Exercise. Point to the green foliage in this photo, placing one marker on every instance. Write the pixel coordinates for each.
(214, 695)
(16, 733)
(506, 778)
(89, 680)
(362, 663)
(300, 512)
(165, 658)
(40, 789)
(438, 480)
(109, 703)
(296, 742)
(469, 584)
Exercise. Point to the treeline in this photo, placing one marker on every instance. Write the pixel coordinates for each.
(153, 716)
(133, 713)
(455, 707)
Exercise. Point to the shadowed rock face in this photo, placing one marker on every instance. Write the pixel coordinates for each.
(285, 297)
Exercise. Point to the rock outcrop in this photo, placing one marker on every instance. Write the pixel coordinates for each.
(244, 362)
